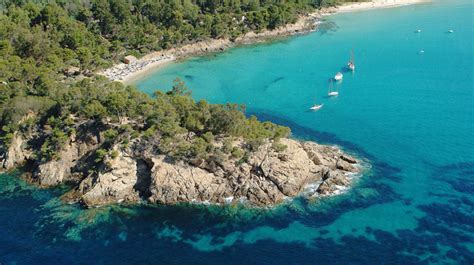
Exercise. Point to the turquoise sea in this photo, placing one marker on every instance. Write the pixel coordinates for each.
(410, 114)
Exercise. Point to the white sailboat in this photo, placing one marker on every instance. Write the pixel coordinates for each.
(332, 93)
(351, 64)
(316, 107)
(338, 76)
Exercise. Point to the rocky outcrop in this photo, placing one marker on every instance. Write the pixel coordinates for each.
(139, 172)
(16, 153)
(58, 171)
(267, 178)
(333, 182)
(64, 169)
(114, 184)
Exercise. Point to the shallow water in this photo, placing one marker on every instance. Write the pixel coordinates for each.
(409, 113)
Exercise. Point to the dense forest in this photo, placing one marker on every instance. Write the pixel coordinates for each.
(41, 40)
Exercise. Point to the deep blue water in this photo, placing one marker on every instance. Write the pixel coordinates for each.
(409, 113)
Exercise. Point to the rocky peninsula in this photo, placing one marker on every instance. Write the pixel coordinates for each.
(138, 171)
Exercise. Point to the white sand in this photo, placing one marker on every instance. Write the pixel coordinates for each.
(374, 4)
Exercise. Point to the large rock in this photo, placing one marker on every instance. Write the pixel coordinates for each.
(346, 166)
(290, 174)
(173, 182)
(117, 182)
(16, 153)
(322, 154)
(55, 172)
(333, 182)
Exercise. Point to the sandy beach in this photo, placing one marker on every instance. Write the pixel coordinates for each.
(376, 4)
(127, 73)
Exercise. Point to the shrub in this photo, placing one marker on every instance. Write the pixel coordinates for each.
(227, 146)
(237, 152)
(110, 135)
(208, 137)
(114, 154)
(100, 155)
(134, 134)
(199, 147)
(279, 147)
(150, 132)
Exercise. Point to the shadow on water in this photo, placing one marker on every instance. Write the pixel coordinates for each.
(272, 82)
(189, 77)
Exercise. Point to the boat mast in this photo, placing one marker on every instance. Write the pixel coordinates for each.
(330, 86)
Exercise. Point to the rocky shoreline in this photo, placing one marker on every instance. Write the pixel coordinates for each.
(138, 172)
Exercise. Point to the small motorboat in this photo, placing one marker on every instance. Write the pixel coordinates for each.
(351, 65)
(418, 31)
(332, 93)
(338, 76)
(316, 107)
(450, 31)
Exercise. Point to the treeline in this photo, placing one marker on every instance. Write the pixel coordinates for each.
(184, 128)
(98, 30)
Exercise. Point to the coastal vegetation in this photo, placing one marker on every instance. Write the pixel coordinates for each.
(49, 52)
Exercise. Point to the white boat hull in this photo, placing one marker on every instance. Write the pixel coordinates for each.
(333, 94)
(316, 107)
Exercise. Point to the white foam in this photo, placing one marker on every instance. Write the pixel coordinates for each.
(229, 199)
